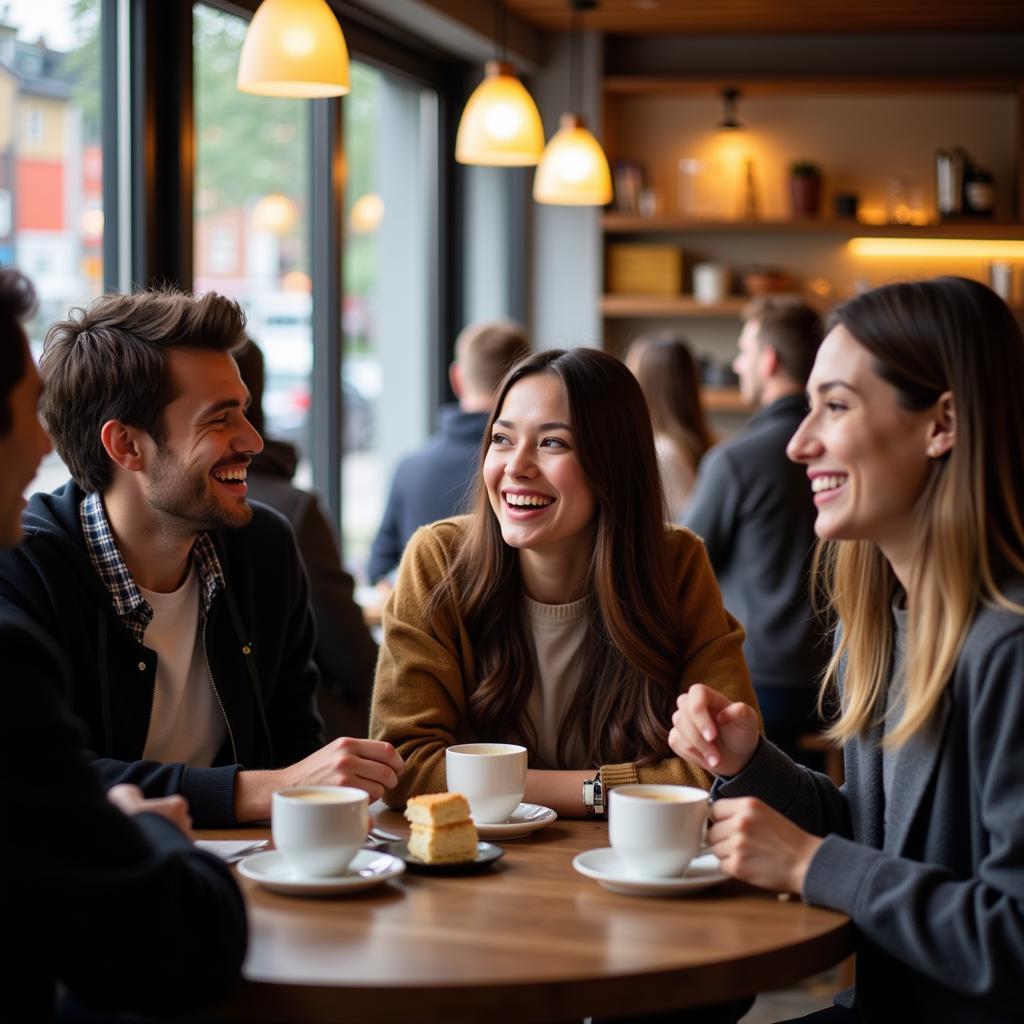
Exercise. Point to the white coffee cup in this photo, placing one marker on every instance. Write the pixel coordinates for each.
(319, 829)
(491, 776)
(656, 830)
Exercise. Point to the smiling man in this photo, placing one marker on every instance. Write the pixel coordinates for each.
(183, 610)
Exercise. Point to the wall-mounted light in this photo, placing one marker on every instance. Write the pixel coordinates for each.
(938, 248)
(574, 170)
(730, 115)
(294, 48)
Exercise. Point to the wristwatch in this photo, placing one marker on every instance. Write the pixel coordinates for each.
(593, 795)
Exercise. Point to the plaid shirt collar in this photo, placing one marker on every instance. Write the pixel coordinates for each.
(131, 607)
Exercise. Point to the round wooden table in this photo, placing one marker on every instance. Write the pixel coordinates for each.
(528, 940)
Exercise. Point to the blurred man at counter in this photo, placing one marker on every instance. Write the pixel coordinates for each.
(122, 912)
(754, 509)
(433, 483)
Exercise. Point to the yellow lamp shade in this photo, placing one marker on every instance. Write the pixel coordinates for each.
(500, 126)
(294, 48)
(573, 170)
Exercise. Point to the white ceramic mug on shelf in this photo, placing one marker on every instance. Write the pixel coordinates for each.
(656, 830)
(491, 776)
(710, 283)
(319, 829)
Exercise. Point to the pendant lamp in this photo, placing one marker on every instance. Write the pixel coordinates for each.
(294, 48)
(500, 125)
(574, 169)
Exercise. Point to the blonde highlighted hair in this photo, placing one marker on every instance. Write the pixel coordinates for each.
(927, 338)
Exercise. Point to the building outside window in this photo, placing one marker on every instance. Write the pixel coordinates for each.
(51, 168)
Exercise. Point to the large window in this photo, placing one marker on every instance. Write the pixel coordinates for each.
(390, 289)
(252, 209)
(51, 164)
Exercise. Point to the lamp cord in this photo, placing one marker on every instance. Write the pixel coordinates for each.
(575, 62)
(501, 28)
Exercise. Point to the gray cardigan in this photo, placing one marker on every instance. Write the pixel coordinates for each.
(939, 899)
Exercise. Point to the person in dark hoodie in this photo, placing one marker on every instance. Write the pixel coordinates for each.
(123, 912)
(345, 652)
(183, 611)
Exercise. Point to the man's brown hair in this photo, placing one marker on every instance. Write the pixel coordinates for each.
(487, 351)
(791, 329)
(109, 362)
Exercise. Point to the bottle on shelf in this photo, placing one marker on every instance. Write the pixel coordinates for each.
(750, 203)
(979, 191)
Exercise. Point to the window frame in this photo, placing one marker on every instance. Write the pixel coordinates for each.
(163, 143)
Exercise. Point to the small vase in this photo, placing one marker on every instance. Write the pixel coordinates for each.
(805, 195)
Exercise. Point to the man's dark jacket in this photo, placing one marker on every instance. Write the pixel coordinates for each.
(754, 510)
(124, 912)
(259, 642)
(432, 483)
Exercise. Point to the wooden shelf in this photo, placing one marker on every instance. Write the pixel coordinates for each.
(802, 85)
(670, 305)
(723, 400)
(631, 224)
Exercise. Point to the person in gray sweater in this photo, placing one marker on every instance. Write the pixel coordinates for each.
(914, 447)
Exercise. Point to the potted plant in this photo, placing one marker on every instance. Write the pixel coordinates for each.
(804, 188)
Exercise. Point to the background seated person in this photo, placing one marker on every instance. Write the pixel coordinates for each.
(915, 449)
(83, 881)
(183, 611)
(562, 613)
(345, 652)
(436, 481)
(670, 380)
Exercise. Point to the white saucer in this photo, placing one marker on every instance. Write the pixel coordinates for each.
(368, 868)
(604, 866)
(526, 818)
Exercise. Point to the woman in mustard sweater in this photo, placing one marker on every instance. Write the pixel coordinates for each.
(561, 613)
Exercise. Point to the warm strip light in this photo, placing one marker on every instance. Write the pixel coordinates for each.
(294, 48)
(938, 248)
(501, 125)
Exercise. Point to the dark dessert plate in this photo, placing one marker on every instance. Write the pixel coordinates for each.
(486, 855)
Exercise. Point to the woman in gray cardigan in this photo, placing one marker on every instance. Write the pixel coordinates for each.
(914, 448)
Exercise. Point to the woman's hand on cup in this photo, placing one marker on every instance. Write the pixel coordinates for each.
(710, 731)
(757, 844)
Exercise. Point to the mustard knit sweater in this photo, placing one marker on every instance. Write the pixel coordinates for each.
(426, 672)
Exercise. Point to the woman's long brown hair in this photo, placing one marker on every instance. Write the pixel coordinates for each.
(630, 660)
(927, 338)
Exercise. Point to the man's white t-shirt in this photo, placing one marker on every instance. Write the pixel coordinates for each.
(186, 725)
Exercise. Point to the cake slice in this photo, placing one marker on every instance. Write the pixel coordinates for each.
(442, 830)
(449, 844)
